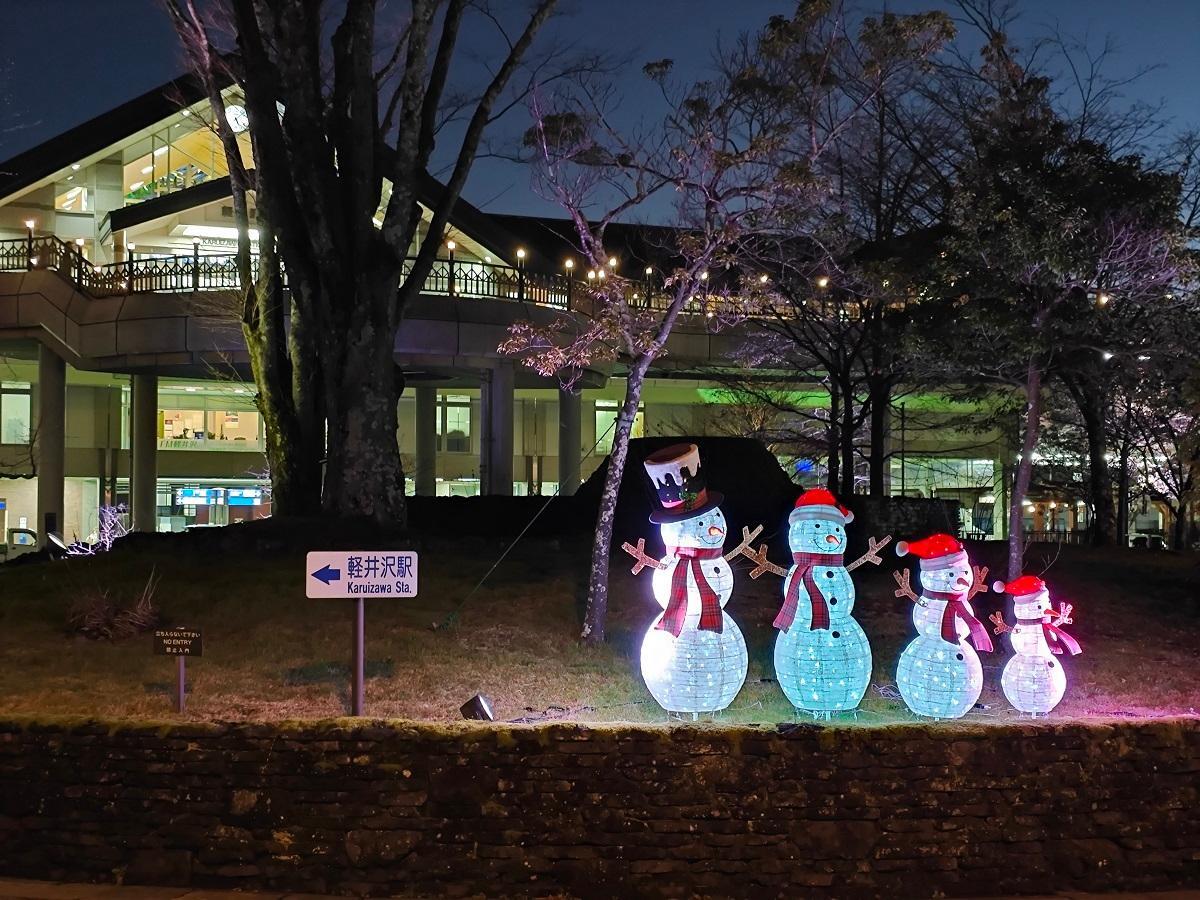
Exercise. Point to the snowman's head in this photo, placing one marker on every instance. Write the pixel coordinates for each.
(706, 530)
(948, 574)
(816, 535)
(818, 523)
(1032, 606)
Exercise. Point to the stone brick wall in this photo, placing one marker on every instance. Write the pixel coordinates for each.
(804, 811)
(907, 517)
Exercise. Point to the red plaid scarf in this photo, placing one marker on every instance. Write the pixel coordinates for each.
(791, 597)
(1056, 638)
(956, 607)
(688, 558)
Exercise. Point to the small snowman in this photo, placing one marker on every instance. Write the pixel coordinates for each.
(693, 655)
(1033, 680)
(939, 674)
(822, 656)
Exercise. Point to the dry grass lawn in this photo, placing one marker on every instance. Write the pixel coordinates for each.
(272, 654)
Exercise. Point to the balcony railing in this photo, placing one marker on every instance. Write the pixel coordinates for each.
(218, 272)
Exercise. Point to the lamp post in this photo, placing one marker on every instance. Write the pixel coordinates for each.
(29, 257)
(569, 265)
(520, 273)
(195, 264)
(450, 245)
(129, 263)
(79, 263)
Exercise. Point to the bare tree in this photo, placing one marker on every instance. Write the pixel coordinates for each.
(740, 153)
(343, 120)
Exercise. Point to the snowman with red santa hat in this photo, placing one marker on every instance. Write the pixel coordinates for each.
(939, 674)
(822, 656)
(1033, 680)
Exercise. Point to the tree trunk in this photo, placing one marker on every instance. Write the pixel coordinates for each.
(1090, 403)
(834, 453)
(596, 614)
(1123, 478)
(847, 448)
(364, 475)
(880, 399)
(1033, 405)
(1179, 527)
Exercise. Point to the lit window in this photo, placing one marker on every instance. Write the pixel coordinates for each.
(14, 413)
(606, 428)
(454, 423)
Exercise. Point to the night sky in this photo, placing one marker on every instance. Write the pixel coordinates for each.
(69, 60)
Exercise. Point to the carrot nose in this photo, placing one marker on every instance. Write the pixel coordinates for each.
(832, 539)
(715, 531)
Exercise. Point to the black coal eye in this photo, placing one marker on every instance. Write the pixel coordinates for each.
(816, 526)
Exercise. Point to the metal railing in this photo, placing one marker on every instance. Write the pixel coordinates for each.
(218, 272)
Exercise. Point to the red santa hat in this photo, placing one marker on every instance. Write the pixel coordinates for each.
(938, 551)
(1021, 587)
(819, 503)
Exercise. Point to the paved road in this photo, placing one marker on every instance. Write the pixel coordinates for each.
(17, 889)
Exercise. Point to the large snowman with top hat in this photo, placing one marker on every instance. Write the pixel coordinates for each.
(822, 655)
(939, 674)
(1033, 680)
(693, 655)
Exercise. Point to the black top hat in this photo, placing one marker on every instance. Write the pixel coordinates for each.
(680, 485)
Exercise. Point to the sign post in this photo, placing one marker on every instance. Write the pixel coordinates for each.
(180, 643)
(358, 574)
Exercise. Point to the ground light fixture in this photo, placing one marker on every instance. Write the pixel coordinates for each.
(478, 708)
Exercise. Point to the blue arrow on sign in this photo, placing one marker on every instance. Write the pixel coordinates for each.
(327, 574)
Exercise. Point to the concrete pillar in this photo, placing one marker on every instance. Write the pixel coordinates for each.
(425, 474)
(106, 182)
(143, 445)
(570, 442)
(51, 442)
(496, 416)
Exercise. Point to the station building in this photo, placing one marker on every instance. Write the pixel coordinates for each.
(124, 378)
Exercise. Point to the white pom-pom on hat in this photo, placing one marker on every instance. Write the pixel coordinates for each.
(901, 548)
(998, 586)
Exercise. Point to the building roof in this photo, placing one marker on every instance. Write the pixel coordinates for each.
(28, 168)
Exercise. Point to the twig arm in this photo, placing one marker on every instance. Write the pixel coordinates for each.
(642, 560)
(904, 587)
(979, 585)
(997, 619)
(872, 554)
(747, 537)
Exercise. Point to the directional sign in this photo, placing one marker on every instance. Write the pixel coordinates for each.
(361, 573)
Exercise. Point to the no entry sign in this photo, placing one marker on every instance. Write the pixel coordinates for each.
(361, 573)
(178, 642)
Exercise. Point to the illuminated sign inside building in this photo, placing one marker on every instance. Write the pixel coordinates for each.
(244, 496)
(200, 497)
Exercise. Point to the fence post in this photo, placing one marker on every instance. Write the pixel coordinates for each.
(79, 263)
(195, 264)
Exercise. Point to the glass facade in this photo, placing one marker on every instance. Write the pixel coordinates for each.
(15, 423)
(606, 424)
(180, 155)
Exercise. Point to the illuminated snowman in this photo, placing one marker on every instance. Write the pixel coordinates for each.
(1033, 680)
(822, 655)
(694, 655)
(939, 674)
